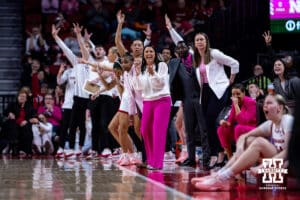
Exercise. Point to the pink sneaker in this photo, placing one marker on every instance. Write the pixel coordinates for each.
(121, 158)
(134, 160)
(213, 184)
(125, 161)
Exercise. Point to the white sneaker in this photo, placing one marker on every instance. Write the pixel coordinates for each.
(106, 153)
(78, 153)
(60, 153)
(125, 161)
(134, 159)
(92, 155)
(70, 154)
(169, 157)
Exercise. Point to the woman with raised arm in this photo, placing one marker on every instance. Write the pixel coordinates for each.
(81, 73)
(285, 85)
(269, 140)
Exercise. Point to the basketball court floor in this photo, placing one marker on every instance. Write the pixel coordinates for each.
(48, 178)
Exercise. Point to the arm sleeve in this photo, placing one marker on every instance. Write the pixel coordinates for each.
(158, 79)
(223, 59)
(146, 42)
(247, 116)
(175, 36)
(69, 54)
(63, 78)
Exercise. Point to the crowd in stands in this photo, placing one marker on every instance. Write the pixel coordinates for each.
(100, 80)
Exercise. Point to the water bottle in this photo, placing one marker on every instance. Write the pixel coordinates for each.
(199, 154)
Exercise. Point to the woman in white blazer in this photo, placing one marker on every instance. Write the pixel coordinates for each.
(214, 85)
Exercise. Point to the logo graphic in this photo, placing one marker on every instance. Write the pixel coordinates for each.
(273, 174)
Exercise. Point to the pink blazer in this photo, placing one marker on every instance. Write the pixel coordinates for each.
(247, 116)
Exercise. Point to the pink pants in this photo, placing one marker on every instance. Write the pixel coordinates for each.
(227, 134)
(154, 125)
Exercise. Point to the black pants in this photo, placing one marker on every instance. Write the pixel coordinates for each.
(212, 106)
(66, 122)
(19, 138)
(103, 108)
(194, 120)
(169, 145)
(78, 120)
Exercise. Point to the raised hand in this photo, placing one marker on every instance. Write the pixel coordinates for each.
(54, 30)
(120, 17)
(268, 37)
(77, 28)
(87, 36)
(168, 22)
(148, 32)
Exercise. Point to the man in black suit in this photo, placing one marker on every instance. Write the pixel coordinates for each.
(185, 87)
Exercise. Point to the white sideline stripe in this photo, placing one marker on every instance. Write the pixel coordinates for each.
(169, 189)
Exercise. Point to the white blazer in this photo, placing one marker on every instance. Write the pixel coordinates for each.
(217, 78)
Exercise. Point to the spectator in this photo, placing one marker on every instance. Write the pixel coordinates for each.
(260, 79)
(69, 7)
(42, 133)
(97, 21)
(35, 43)
(20, 117)
(166, 54)
(284, 85)
(50, 6)
(52, 112)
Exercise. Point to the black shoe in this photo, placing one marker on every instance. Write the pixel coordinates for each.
(188, 163)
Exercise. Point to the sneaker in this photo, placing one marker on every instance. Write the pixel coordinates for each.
(60, 153)
(134, 159)
(213, 184)
(48, 149)
(116, 152)
(152, 168)
(92, 155)
(121, 158)
(106, 153)
(78, 153)
(70, 154)
(169, 157)
(125, 161)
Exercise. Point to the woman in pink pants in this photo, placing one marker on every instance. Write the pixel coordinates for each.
(242, 118)
(153, 80)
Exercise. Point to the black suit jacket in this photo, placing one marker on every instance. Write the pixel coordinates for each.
(178, 89)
